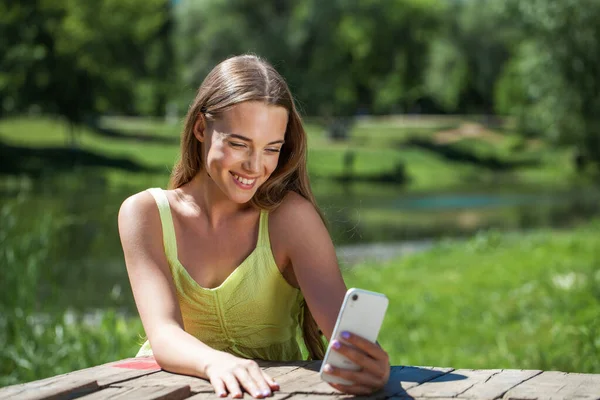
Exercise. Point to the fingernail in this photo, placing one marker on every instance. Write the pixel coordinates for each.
(327, 368)
(346, 335)
(222, 394)
(336, 345)
(266, 392)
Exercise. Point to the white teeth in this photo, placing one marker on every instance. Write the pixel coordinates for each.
(244, 180)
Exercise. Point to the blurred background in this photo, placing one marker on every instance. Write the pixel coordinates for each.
(454, 148)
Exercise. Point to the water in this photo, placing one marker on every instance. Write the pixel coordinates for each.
(84, 269)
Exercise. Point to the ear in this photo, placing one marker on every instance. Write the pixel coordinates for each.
(200, 128)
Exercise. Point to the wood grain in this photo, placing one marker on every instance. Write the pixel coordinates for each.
(553, 385)
(144, 392)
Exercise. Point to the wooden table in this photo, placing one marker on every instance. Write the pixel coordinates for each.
(142, 378)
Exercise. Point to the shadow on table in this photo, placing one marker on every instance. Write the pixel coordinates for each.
(404, 378)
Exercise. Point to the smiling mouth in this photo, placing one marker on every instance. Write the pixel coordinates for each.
(243, 182)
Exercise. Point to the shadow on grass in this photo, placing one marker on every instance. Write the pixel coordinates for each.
(36, 162)
(461, 155)
(139, 137)
(397, 176)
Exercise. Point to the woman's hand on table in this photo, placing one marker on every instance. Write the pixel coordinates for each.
(230, 374)
(372, 359)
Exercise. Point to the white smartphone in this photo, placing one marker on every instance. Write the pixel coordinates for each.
(361, 314)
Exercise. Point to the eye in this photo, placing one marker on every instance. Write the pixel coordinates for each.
(273, 150)
(237, 144)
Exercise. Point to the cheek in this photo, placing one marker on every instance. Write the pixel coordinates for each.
(222, 156)
(271, 164)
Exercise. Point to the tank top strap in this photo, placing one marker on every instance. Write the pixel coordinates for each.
(263, 230)
(166, 221)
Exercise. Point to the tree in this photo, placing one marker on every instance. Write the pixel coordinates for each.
(337, 56)
(553, 82)
(467, 57)
(77, 59)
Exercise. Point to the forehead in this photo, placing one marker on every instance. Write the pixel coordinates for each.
(254, 119)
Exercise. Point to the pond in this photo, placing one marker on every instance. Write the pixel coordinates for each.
(84, 269)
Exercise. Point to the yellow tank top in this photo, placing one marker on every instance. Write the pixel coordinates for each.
(255, 313)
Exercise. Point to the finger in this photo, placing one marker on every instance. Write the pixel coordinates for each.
(258, 377)
(359, 357)
(352, 389)
(233, 386)
(248, 382)
(270, 381)
(372, 349)
(219, 387)
(359, 378)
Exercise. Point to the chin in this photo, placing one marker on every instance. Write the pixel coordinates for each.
(240, 197)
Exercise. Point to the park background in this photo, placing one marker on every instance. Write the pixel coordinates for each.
(454, 147)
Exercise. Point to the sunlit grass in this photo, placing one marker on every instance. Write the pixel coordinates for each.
(520, 301)
(377, 149)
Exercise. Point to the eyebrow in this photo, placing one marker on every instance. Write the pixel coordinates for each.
(247, 139)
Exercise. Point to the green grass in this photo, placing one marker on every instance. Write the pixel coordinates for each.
(519, 301)
(524, 301)
(377, 146)
(39, 340)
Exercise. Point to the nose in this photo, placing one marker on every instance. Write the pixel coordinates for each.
(252, 163)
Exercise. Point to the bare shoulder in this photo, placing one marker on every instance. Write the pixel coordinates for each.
(295, 212)
(138, 210)
(296, 225)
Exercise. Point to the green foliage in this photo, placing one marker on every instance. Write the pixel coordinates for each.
(466, 57)
(37, 340)
(337, 56)
(76, 58)
(552, 84)
(522, 301)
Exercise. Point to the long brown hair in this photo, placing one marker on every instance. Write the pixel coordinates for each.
(250, 78)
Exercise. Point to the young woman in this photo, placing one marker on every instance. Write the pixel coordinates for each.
(226, 265)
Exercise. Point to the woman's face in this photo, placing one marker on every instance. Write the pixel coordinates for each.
(242, 147)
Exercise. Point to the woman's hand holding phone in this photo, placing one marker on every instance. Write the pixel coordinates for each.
(373, 361)
(354, 362)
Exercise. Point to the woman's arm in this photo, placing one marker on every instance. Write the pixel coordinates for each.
(310, 251)
(155, 297)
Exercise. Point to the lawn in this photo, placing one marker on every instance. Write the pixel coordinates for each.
(379, 148)
(511, 300)
(521, 300)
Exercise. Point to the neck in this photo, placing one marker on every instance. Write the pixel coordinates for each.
(211, 201)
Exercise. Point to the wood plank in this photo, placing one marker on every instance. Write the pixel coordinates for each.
(59, 389)
(164, 378)
(104, 375)
(213, 396)
(279, 369)
(421, 398)
(339, 396)
(146, 392)
(452, 384)
(306, 380)
(404, 378)
(554, 385)
(275, 370)
(497, 385)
